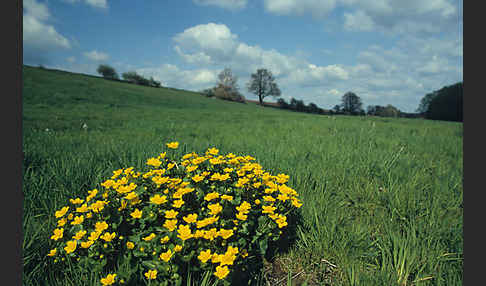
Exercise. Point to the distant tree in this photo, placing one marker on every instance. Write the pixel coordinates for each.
(447, 104)
(228, 80)
(313, 108)
(132, 76)
(262, 83)
(209, 92)
(227, 87)
(351, 103)
(282, 103)
(153, 82)
(337, 108)
(107, 72)
(425, 101)
(371, 110)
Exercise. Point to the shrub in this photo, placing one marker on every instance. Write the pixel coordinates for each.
(107, 72)
(197, 214)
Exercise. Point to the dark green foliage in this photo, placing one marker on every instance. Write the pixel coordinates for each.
(107, 72)
(447, 104)
(262, 83)
(133, 77)
(383, 111)
(351, 104)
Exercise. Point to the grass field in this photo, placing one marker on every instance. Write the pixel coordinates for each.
(383, 197)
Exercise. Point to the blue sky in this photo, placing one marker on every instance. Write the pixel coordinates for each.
(385, 51)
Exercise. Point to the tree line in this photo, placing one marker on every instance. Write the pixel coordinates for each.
(443, 104)
(109, 72)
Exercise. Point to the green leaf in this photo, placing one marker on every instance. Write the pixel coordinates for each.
(263, 243)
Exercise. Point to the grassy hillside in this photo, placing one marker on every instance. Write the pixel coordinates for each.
(382, 197)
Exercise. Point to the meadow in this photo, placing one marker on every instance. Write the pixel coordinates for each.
(382, 197)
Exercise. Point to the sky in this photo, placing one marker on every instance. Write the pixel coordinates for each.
(384, 51)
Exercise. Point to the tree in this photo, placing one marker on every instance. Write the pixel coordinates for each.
(447, 104)
(425, 101)
(228, 80)
(351, 103)
(107, 72)
(262, 83)
(227, 87)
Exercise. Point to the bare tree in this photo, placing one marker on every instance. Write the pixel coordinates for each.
(262, 83)
(228, 80)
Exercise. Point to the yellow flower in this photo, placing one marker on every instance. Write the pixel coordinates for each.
(94, 235)
(210, 234)
(52, 252)
(61, 222)
(82, 209)
(131, 196)
(130, 245)
(98, 206)
(170, 224)
(221, 272)
(172, 145)
(77, 220)
(171, 214)
(227, 259)
(136, 213)
(215, 208)
(204, 256)
(91, 194)
(101, 226)
(149, 237)
(241, 216)
(268, 209)
(191, 168)
(177, 248)
(108, 280)
(61, 212)
(283, 197)
(108, 237)
(151, 274)
(269, 198)
(157, 199)
(212, 151)
(228, 170)
(177, 203)
(197, 178)
(108, 183)
(232, 250)
(79, 234)
(166, 255)
(184, 232)
(296, 203)
(87, 244)
(116, 173)
(164, 239)
(70, 246)
(123, 205)
(257, 202)
(154, 162)
(58, 233)
(190, 218)
(227, 197)
(225, 233)
(211, 196)
(76, 201)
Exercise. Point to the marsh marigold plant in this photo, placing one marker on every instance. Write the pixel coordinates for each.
(206, 212)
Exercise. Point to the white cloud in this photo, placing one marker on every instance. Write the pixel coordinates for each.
(95, 3)
(71, 59)
(171, 75)
(96, 56)
(317, 8)
(358, 21)
(232, 5)
(39, 38)
(390, 16)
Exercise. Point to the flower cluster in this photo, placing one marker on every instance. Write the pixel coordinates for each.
(212, 210)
